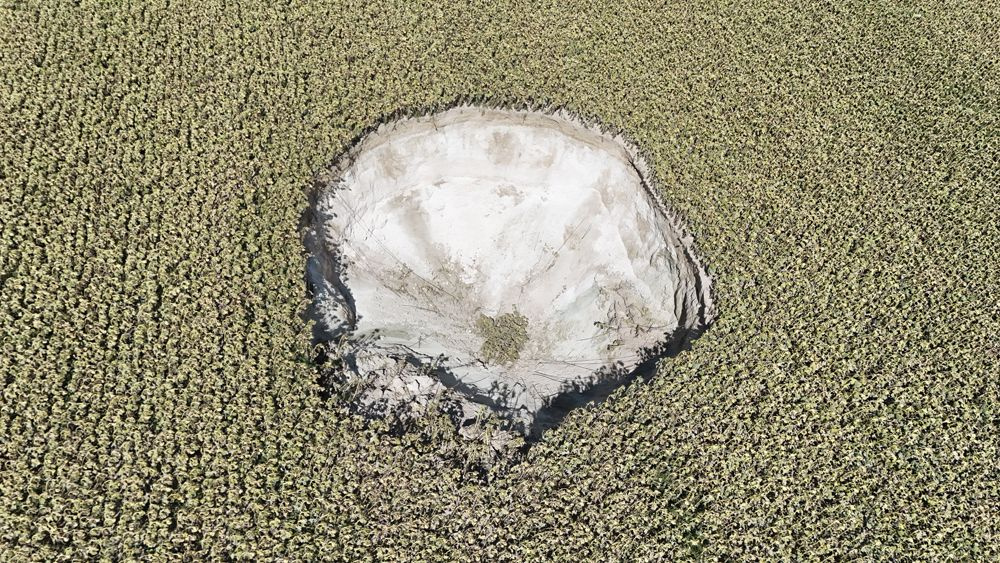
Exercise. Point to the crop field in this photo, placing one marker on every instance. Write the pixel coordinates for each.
(838, 164)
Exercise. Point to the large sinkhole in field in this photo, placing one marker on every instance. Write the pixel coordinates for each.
(518, 263)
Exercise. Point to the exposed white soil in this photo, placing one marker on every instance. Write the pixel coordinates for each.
(431, 221)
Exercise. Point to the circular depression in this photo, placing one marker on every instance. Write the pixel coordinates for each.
(523, 255)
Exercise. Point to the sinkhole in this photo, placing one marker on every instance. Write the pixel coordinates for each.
(512, 262)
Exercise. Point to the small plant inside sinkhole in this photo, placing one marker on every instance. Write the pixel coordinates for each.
(505, 336)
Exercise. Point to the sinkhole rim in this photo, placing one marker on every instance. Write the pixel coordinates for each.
(560, 405)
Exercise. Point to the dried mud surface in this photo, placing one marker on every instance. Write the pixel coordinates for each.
(433, 222)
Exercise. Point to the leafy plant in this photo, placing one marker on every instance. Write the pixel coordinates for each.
(504, 336)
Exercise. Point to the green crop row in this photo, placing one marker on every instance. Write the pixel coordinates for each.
(836, 162)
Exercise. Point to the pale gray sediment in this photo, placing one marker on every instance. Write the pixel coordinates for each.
(432, 228)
